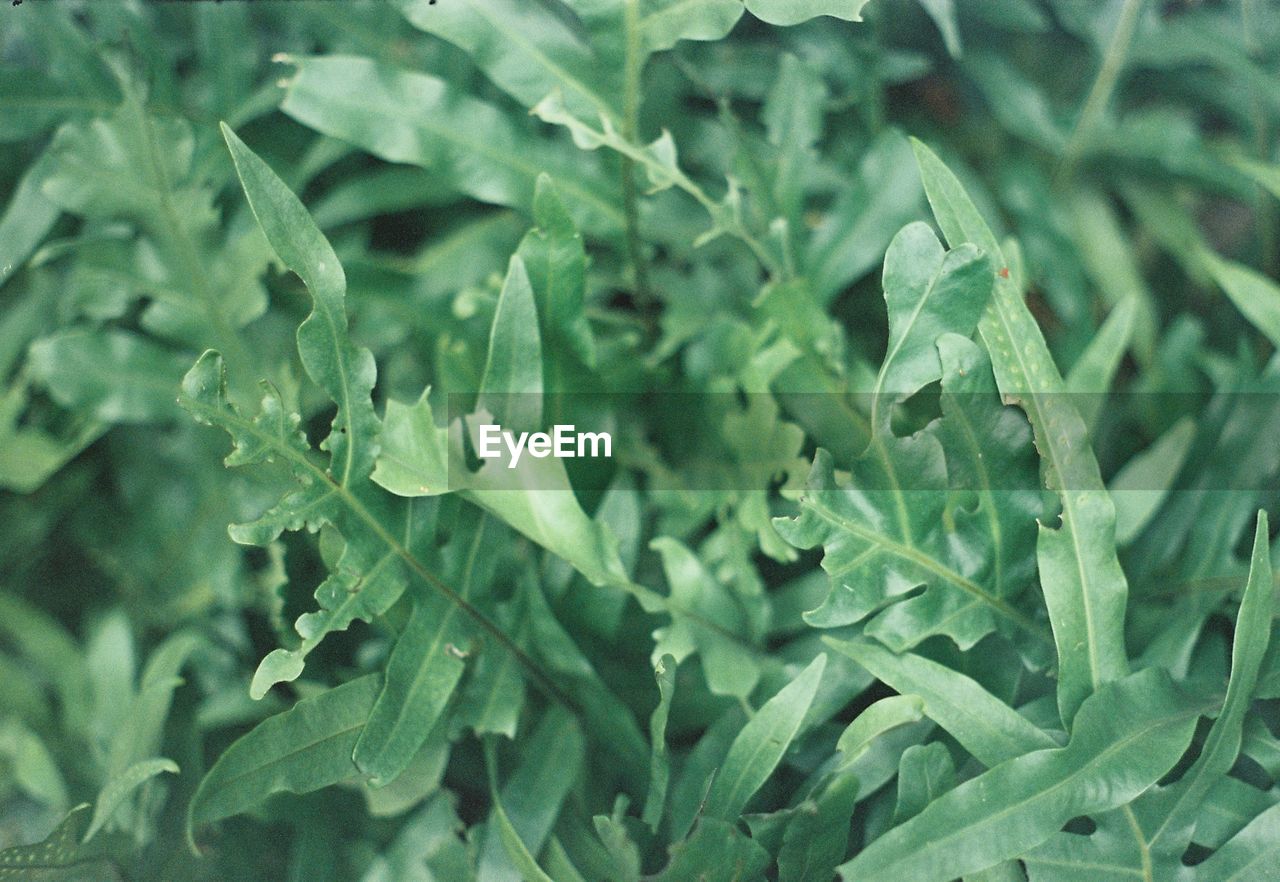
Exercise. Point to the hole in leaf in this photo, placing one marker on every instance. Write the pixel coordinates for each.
(1081, 826)
(1195, 854)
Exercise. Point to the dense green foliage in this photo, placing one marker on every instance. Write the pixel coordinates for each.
(952, 561)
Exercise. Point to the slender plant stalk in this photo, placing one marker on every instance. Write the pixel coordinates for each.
(1095, 105)
(1265, 212)
(634, 62)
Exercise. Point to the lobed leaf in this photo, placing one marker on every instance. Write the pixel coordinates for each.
(1084, 587)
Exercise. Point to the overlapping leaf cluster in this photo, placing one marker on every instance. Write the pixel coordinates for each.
(895, 592)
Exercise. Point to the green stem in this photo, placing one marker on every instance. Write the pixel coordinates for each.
(1265, 213)
(1104, 86)
(634, 64)
(175, 234)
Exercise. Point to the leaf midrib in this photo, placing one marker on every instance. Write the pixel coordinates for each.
(228, 781)
(452, 136)
(223, 415)
(929, 563)
(1098, 758)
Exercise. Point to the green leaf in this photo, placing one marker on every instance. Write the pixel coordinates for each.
(110, 376)
(120, 787)
(793, 115)
(533, 795)
(1265, 174)
(345, 371)
(623, 853)
(1250, 854)
(790, 12)
(493, 698)
(1255, 295)
(983, 724)
(607, 718)
(368, 577)
(496, 35)
(424, 668)
(420, 119)
(817, 838)
(1091, 376)
(536, 498)
(28, 454)
(876, 202)
(659, 762)
(27, 218)
(989, 452)
(556, 262)
(36, 636)
(516, 849)
(511, 385)
(1144, 482)
(1084, 587)
(925, 772)
(426, 849)
(303, 749)
(663, 23)
(61, 857)
(943, 13)
(880, 542)
(883, 530)
(659, 162)
(140, 167)
(716, 852)
(1155, 830)
(759, 747)
(538, 501)
(413, 459)
(928, 292)
(1126, 736)
(705, 619)
(882, 716)
(30, 765)
(1108, 258)
(149, 707)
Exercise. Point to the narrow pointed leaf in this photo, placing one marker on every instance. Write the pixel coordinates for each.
(1090, 377)
(511, 841)
(759, 747)
(303, 749)
(1179, 805)
(425, 666)
(511, 385)
(659, 763)
(121, 787)
(1144, 482)
(494, 33)
(415, 118)
(345, 371)
(983, 724)
(882, 716)
(1126, 736)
